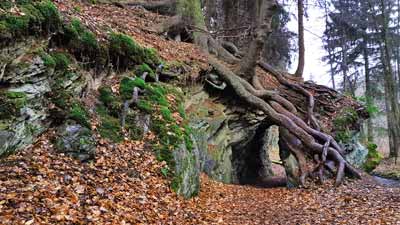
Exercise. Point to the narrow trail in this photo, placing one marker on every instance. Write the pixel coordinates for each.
(356, 202)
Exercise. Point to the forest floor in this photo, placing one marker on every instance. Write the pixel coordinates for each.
(124, 185)
(388, 168)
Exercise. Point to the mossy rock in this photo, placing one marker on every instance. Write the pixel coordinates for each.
(61, 60)
(373, 158)
(80, 39)
(76, 141)
(127, 85)
(11, 103)
(79, 114)
(144, 68)
(111, 101)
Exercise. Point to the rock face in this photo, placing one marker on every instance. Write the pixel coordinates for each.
(270, 140)
(76, 141)
(356, 152)
(25, 82)
(232, 141)
(23, 87)
(187, 171)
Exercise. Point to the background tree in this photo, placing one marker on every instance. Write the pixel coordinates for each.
(300, 17)
(361, 39)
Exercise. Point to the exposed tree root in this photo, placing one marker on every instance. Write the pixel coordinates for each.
(311, 120)
(282, 117)
(302, 138)
(133, 100)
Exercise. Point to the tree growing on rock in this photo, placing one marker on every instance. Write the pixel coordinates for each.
(300, 135)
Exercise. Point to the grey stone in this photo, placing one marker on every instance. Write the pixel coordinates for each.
(187, 170)
(26, 73)
(76, 141)
(356, 153)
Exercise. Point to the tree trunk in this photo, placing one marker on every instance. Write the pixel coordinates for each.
(265, 10)
(390, 84)
(368, 89)
(300, 15)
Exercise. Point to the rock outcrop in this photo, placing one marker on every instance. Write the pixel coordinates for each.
(233, 142)
(25, 85)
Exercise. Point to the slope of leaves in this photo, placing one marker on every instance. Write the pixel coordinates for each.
(137, 23)
(124, 185)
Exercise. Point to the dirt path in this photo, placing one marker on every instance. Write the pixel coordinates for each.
(357, 202)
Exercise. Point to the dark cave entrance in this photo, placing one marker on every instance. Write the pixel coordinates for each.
(252, 160)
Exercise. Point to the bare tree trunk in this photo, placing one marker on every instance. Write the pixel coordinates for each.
(300, 15)
(346, 83)
(390, 83)
(368, 89)
(329, 51)
(265, 10)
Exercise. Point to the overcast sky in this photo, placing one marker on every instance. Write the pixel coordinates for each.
(315, 69)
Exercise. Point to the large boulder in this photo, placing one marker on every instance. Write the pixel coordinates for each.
(356, 153)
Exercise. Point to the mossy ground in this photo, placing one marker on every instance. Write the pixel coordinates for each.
(126, 53)
(342, 123)
(37, 17)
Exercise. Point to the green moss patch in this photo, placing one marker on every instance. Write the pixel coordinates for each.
(373, 158)
(38, 17)
(11, 103)
(61, 60)
(144, 68)
(343, 124)
(79, 114)
(126, 53)
(81, 41)
(110, 127)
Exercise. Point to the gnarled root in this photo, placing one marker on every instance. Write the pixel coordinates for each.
(310, 138)
(311, 120)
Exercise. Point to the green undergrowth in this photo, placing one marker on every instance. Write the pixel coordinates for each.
(373, 158)
(343, 124)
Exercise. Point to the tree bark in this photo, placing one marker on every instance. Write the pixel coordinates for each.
(368, 89)
(390, 83)
(265, 10)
